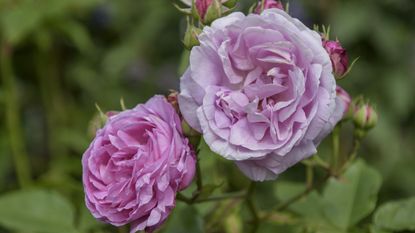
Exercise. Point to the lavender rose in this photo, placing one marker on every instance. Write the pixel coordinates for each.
(135, 166)
(261, 90)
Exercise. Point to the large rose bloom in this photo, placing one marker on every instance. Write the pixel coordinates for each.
(261, 90)
(136, 164)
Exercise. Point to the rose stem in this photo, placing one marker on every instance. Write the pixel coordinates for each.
(251, 207)
(309, 175)
(233, 195)
(14, 127)
(353, 154)
(335, 146)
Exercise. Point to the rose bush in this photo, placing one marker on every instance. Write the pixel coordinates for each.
(135, 166)
(261, 90)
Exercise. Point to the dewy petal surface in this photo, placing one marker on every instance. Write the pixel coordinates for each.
(261, 90)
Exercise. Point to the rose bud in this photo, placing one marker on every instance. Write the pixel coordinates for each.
(202, 7)
(345, 100)
(208, 10)
(365, 117)
(136, 164)
(172, 99)
(338, 57)
(268, 4)
(190, 37)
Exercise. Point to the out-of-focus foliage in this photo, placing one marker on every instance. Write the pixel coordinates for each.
(67, 55)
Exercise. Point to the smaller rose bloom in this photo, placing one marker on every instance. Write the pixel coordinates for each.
(345, 100)
(268, 4)
(136, 164)
(338, 56)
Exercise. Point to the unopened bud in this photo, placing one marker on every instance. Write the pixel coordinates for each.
(268, 4)
(345, 101)
(213, 11)
(338, 57)
(190, 37)
(365, 117)
(172, 99)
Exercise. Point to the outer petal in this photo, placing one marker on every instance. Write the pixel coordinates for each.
(333, 120)
(221, 23)
(269, 167)
(187, 103)
(223, 147)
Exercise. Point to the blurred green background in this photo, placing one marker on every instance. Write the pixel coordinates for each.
(60, 57)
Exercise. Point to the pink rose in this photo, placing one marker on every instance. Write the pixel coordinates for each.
(135, 166)
(261, 90)
(268, 4)
(338, 56)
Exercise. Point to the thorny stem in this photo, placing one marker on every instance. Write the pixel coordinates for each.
(14, 127)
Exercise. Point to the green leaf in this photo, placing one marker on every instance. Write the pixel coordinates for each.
(36, 211)
(396, 215)
(309, 206)
(375, 229)
(184, 218)
(352, 197)
(273, 227)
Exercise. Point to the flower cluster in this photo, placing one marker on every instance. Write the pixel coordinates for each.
(260, 89)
